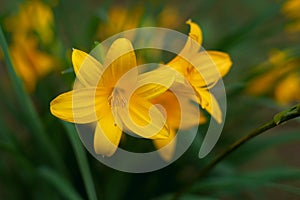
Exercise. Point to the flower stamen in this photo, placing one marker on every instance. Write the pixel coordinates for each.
(116, 101)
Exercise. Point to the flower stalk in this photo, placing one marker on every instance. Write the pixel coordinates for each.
(278, 119)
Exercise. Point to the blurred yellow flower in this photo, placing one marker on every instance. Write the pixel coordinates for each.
(204, 62)
(288, 90)
(99, 98)
(279, 80)
(29, 62)
(33, 16)
(124, 18)
(265, 82)
(291, 10)
(31, 28)
(169, 17)
(119, 19)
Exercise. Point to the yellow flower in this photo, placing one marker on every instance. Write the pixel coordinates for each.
(173, 112)
(291, 10)
(170, 17)
(287, 90)
(279, 80)
(265, 82)
(119, 19)
(31, 28)
(34, 16)
(29, 62)
(191, 62)
(104, 96)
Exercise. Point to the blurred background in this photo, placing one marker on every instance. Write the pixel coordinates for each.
(43, 158)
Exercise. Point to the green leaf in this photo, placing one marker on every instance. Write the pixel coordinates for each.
(28, 109)
(59, 183)
(81, 160)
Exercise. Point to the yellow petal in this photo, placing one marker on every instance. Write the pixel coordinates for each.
(195, 32)
(192, 46)
(180, 65)
(209, 68)
(144, 119)
(194, 41)
(166, 147)
(80, 106)
(107, 136)
(154, 83)
(119, 60)
(221, 60)
(210, 104)
(87, 69)
(181, 112)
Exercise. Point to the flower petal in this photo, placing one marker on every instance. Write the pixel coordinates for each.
(87, 69)
(181, 112)
(195, 32)
(210, 104)
(154, 83)
(120, 59)
(107, 136)
(221, 60)
(192, 46)
(166, 147)
(143, 118)
(209, 68)
(80, 106)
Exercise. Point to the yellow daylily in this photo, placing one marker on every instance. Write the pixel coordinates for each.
(191, 62)
(173, 111)
(119, 19)
(287, 90)
(33, 16)
(30, 62)
(31, 28)
(279, 80)
(291, 9)
(115, 103)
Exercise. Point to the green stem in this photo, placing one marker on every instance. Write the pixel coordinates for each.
(278, 119)
(81, 160)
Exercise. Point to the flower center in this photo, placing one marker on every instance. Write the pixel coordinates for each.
(116, 101)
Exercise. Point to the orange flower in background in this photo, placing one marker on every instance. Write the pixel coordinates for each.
(279, 78)
(31, 28)
(29, 62)
(291, 10)
(288, 90)
(119, 19)
(170, 17)
(33, 17)
(265, 82)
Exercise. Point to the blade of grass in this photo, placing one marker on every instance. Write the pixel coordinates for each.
(60, 184)
(28, 109)
(82, 160)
